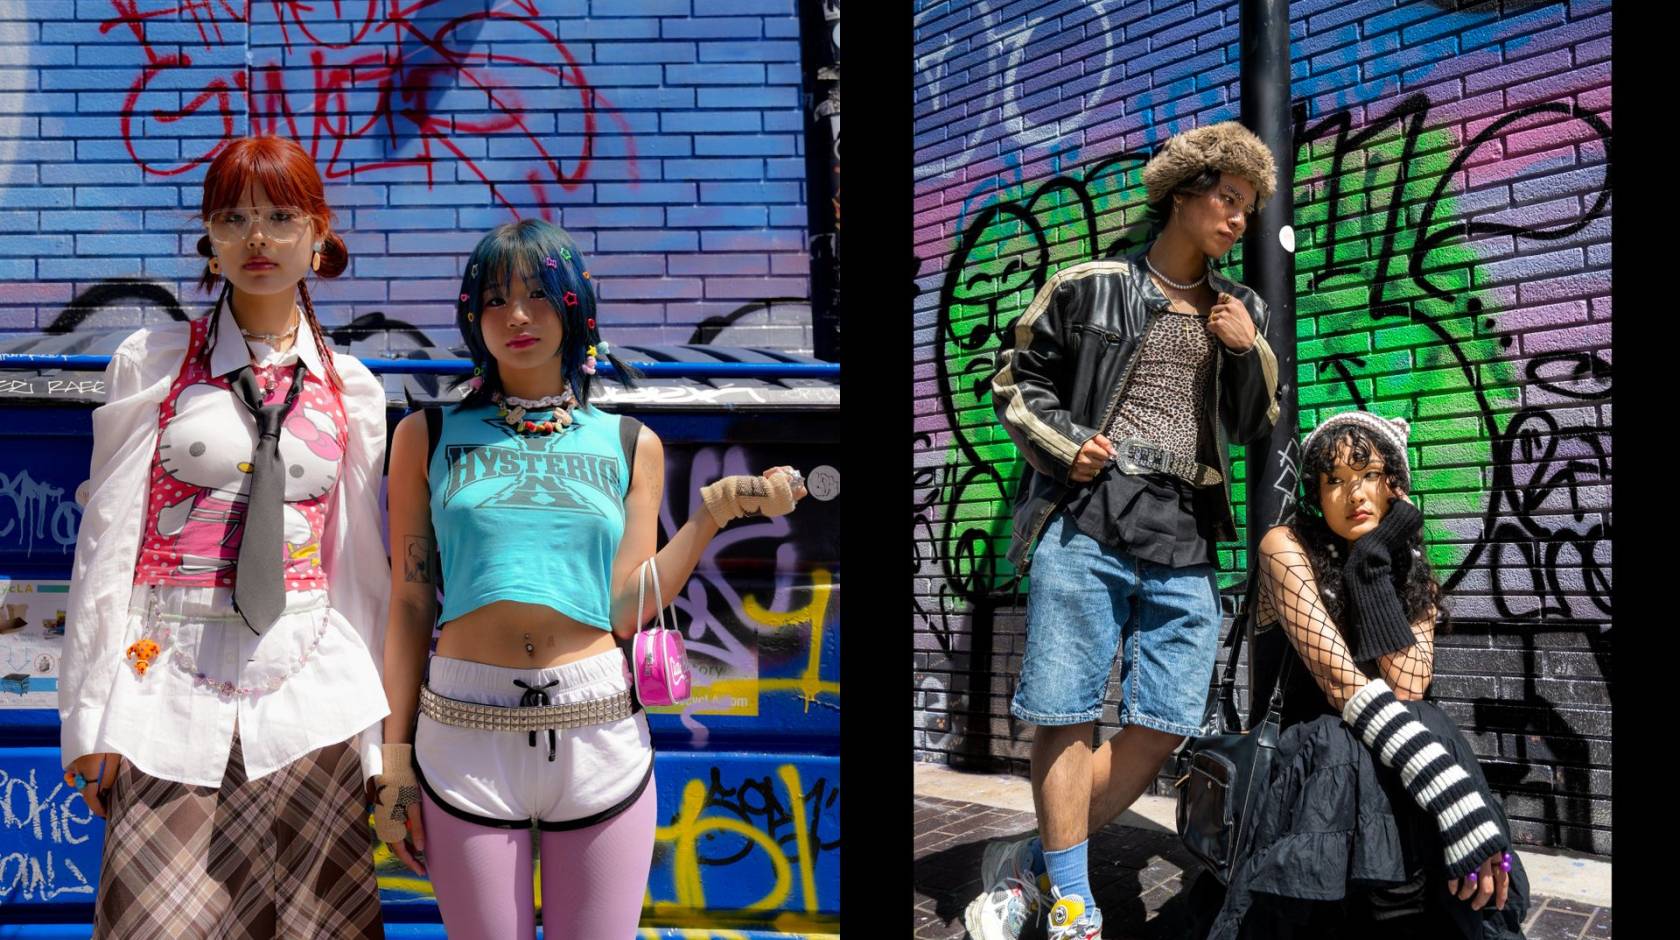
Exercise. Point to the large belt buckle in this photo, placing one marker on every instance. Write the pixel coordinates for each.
(1134, 459)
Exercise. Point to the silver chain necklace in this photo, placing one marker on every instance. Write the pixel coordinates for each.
(1172, 283)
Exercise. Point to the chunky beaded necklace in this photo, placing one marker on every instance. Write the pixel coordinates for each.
(516, 411)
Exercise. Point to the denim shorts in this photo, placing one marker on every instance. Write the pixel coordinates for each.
(1089, 601)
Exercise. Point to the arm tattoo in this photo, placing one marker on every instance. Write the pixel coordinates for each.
(417, 560)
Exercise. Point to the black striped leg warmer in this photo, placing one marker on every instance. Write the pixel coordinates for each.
(1430, 776)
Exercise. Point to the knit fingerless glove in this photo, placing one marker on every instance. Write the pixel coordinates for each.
(736, 496)
(1378, 624)
(1430, 776)
(396, 793)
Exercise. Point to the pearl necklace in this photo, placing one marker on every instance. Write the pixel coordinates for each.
(1170, 282)
(272, 339)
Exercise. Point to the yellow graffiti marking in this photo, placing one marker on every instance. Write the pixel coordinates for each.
(802, 838)
(685, 864)
(810, 685)
(685, 833)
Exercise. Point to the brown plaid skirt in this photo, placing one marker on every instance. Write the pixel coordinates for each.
(290, 855)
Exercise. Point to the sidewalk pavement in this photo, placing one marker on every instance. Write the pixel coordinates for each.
(1137, 864)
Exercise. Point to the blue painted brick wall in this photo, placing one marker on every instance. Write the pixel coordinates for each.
(686, 94)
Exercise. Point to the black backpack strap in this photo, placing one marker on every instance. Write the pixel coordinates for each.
(434, 430)
(629, 431)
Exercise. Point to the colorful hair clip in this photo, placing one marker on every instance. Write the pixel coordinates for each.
(469, 316)
(566, 253)
(478, 370)
(476, 382)
(570, 299)
(463, 298)
(602, 346)
(590, 322)
(472, 271)
(591, 352)
(589, 365)
(551, 262)
(586, 275)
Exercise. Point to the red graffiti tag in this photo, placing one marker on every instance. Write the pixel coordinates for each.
(374, 77)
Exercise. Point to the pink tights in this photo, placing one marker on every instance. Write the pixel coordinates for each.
(593, 880)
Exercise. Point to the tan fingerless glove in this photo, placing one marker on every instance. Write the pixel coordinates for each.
(737, 496)
(396, 793)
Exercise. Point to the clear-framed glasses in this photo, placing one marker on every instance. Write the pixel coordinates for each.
(281, 224)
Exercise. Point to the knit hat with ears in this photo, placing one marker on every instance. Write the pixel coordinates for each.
(1227, 147)
(1393, 430)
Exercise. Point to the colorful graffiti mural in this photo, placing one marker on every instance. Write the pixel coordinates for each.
(1452, 210)
(748, 770)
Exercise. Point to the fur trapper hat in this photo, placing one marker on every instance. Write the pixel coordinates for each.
(1227, 147)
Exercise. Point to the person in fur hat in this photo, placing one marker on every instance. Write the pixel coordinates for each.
(1126, 382)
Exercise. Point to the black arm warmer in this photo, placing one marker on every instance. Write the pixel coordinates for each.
(1377, 619)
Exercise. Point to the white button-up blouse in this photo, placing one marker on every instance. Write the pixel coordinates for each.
(163, 722)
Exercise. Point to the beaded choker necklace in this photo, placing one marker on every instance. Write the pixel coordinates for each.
(515, 410)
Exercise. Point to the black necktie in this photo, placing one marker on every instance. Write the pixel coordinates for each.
(259, 583)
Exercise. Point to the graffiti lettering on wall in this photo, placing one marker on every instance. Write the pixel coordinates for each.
(777, 830)
(385, 55)
(1388, 249)
(1420, 275)
(34, 512)
(47, 822)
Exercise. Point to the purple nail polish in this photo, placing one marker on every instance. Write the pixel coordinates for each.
(1472, 876)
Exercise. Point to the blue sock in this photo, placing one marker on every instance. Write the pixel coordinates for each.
(1035, 856)
(1069, 872)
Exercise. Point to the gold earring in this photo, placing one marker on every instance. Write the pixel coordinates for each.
(215, 265)
(315, 263)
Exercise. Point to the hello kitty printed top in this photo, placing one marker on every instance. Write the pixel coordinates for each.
(200, 476)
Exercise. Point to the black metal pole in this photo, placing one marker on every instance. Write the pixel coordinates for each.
(819, 27)
(1269, 268)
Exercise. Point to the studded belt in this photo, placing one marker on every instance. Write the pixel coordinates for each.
(1134, 457)
(529, 719)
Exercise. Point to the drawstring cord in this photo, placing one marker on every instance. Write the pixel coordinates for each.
(538, 695)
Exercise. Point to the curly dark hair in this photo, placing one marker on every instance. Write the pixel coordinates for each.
(1414, 579)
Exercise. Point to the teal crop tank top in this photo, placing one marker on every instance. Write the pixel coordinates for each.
(530, 519)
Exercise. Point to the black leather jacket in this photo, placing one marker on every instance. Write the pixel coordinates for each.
(1060, 382)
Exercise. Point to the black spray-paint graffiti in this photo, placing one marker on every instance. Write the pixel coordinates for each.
(757, 802)
(1517, 524)
(1005, 251)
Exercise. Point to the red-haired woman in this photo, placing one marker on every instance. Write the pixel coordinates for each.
(220, 690)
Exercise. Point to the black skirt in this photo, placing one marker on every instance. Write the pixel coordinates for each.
(1337, 840)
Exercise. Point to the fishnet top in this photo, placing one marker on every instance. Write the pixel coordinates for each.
(1289, 596)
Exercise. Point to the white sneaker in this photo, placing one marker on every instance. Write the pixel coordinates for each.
(1011, 894)
(1070, 919)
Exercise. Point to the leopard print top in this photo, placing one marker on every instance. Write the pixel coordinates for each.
(1162, 401)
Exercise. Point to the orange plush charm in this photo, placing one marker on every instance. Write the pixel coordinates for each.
(140, 655)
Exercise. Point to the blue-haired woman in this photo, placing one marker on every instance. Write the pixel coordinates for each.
(539, 509)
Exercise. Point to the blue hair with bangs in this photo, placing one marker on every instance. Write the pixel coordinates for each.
(544, 250)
